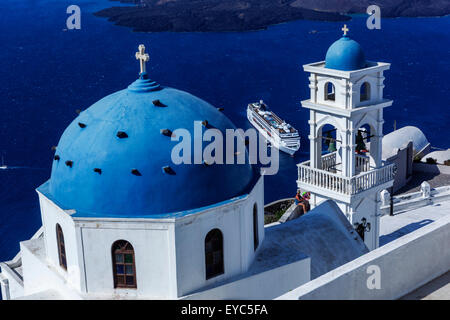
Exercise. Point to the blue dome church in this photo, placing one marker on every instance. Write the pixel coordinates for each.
(110, 160)
(122, 219)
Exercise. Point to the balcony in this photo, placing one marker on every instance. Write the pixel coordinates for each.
(329, 163)
(328, 182)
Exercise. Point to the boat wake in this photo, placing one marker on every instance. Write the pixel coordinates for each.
(19, 167)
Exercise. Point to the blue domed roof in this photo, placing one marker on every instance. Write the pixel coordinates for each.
(345, 54)
(109, 161)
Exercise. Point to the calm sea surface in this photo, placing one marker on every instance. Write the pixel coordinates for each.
(47, 73)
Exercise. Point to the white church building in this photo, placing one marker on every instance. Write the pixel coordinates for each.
(121, 221)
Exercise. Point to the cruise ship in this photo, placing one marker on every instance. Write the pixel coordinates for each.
(280, 134)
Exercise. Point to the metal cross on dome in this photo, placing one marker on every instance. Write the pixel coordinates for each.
(345, 29)
(142, 57)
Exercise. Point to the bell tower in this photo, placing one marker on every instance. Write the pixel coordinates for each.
(347, 93)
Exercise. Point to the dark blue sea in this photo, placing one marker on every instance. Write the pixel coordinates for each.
(46, 73)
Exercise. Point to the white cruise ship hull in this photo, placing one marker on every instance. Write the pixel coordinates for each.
(273, 139)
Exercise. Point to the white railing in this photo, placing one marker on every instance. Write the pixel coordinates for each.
(345, 185)
(362, 163)
(322, 178)
(372, 178)
(329, 161)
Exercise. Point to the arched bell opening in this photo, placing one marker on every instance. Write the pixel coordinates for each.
(329, 148)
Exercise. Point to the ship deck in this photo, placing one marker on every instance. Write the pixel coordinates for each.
(274, 118)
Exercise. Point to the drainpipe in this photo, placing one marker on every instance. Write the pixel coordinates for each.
(391, 209)
(5, 288)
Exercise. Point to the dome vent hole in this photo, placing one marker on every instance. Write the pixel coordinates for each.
(136, 172)
(166, 132)
(122, 135)
(168, 170)
(158, 103)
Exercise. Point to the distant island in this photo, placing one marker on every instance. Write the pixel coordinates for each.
(244, 15)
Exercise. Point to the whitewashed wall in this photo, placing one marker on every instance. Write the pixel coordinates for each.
(405, 264)
(264, 285)
(51, 215)
(40, 274)
(169, 253)
(235, 221)
(153, 249)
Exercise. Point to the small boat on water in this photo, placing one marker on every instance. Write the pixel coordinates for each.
(3, 166)
(280, 134)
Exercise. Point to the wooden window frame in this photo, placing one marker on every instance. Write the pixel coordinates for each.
(122, 248)
(61, 247)
(214, 261)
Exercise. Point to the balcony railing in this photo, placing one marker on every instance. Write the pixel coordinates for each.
(329, 180)
(329, 163)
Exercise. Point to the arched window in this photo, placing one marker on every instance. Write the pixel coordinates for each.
(61, 247)
(364, 92)
(214, 253)
(124, 268)
(329, 91)
(255, 227)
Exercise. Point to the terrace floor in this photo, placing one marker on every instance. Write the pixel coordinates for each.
(435, 180)
(394, 227)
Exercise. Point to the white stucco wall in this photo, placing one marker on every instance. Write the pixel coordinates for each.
(405, 264)
(235, 221)
(263, 286)
(153, 248)
(40, 274)
(169, 253)
(51, 215)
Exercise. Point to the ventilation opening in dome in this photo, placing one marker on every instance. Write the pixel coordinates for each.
(207, 125)
(56, 157)
(82, 125)
(69, 163)
(168, 170)
(136, 172)
(158, 103)
(166, 132)
(122, 135)
(98, 170)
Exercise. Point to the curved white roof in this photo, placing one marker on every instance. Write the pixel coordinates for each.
(440, 156)
(398, 139)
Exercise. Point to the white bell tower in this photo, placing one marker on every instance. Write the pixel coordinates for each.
(347, 93)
